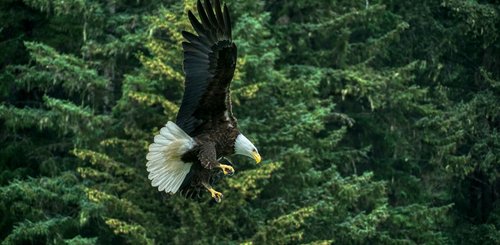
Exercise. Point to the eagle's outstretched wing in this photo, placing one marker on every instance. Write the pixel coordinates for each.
(209, 64)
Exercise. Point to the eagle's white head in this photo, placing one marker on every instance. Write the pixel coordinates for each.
(243, 146)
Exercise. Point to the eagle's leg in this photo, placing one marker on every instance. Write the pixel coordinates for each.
(217, 196)
(208, 158)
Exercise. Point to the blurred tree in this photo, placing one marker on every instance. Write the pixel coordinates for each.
(377, 121)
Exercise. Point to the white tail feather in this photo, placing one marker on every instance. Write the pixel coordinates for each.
(166, 169)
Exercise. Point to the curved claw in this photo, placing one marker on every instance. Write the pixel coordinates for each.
(217, 196)
(227, 169)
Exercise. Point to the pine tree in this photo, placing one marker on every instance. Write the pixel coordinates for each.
(376, 120)
(463, 135)
(58, 182)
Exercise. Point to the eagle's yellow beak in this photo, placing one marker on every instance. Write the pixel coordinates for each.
(256, 156)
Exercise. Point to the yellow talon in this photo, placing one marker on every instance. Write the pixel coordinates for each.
(217, 196)
(226, 169)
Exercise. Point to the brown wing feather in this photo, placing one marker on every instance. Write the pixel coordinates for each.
(209, 64)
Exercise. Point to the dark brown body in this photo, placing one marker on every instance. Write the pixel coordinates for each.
(210, 146)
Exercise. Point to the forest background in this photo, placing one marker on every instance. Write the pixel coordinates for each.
(378, 122)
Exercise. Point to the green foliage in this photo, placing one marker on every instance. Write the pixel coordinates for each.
(377, 122)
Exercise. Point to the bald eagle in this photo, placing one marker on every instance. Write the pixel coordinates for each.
(185, 154)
